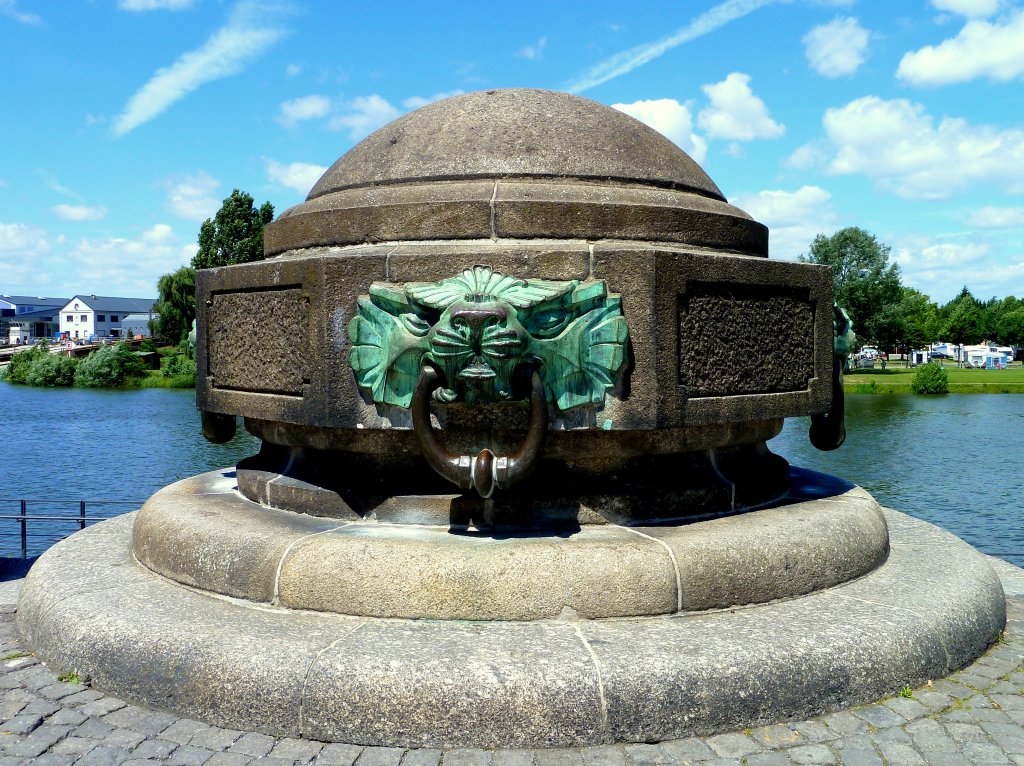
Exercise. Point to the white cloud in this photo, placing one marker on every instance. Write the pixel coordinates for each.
(79, 212)
(22, 239)
(155, 5)
(251, 29)
(9, 8)
(837, 48)
(793, 218)
(54, 185)
(672, 119)
(415, 102)
(897, 144)
(735, 112)
(626, 61)
(296, 175)
(535, 51)
(971, 8)
(363, 115)
(126, 266)
(806, 157)
(292, 69)
(306, 108)
(193, 196)
(981, 49)
(997, 218)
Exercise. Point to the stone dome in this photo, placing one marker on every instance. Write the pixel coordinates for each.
(518, 164)
(516, 133)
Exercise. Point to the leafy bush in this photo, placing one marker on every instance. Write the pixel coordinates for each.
(110, 367)
(17, 371)
(181, 370)
(147, 345)
(930, 379)
(52, 370)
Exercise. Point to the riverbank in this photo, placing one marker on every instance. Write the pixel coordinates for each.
(896, 380)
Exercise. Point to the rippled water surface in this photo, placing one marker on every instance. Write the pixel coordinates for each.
(956, 461)
(80, 444)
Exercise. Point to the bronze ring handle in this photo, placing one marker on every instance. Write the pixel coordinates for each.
(485, 471)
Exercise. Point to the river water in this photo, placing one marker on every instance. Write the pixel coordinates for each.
(956, 461)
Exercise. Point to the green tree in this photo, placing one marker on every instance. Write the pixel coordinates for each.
(109, 367)
(963, 319)
(863, 280)
(1010, 328)
(176, 306)
(235, 234)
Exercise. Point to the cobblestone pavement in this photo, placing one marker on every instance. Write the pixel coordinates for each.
(974, 716)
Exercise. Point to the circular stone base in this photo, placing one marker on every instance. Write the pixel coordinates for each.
(89, 606)
(203, 533)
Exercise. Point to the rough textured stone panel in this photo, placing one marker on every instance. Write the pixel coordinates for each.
(745, 339)
(274, 323)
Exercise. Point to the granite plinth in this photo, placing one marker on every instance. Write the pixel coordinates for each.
(203, 533)
(89, 606)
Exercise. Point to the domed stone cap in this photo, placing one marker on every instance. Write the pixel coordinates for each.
(516, 133)
(515, 164)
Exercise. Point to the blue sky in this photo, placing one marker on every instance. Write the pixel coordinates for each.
(126, 122)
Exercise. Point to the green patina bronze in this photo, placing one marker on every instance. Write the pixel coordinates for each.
(843, 335)
(478, 327)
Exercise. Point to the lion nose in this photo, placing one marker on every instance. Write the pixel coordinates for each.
(477, 319)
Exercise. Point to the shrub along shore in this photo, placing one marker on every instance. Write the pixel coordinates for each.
(108, 367)
(961, 381)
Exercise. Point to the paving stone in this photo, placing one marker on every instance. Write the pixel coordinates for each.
(880, 716)
(768, 759)
(984, 752)
(186, 755)
(296, 749)
(338, 755)
(102, 706)
(21, 724)
(81, 697)
(557, 758)
(468, 756)
(933, 699)
(892, 734)
(503, 758)
(106, 756)
(381, 756)
(692, 749)
(860, 757)
(41, 707)
(140, 720)
(67, 717)
(38, 742)
(901, 753)
(428, 757)
(953, 689)
(267, 760)
(155, 748)
(908, 708)
(945, 757)
(10, 708)
(775, 737)
(929, 735)
(845, 722)
(93, 728)
(229, 759)
(966, 732)
(60, 690)
(646, 755)
(606, 755)
(734, 745)
(53, 759)
(73, 745)
(215, 738)
(1004, 729)
(811, 754)
(182, 730)
(814, 731)
(252, 744)
(140, 762)
(126, 738)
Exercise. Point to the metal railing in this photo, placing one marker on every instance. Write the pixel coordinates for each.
(71, 521)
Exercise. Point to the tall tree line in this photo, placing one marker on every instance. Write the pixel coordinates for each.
(887, 313)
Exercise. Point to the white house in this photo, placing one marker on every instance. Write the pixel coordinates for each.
(14, 306)
(99, 316)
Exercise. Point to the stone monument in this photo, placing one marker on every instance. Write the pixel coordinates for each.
(514, 363)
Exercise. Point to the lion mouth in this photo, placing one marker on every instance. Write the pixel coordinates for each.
(477, 371)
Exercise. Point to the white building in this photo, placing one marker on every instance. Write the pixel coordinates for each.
(13, 307)
(99, 316)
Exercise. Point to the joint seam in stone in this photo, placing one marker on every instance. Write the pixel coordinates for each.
(602, 702)
(387, 263)
(494, 224)
(284, 556)
(675, 564)
(590, 261)
(305, 678)
(879, 603)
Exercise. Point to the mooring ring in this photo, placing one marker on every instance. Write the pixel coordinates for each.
(484, 471)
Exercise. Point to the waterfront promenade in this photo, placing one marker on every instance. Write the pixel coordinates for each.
(975, 716)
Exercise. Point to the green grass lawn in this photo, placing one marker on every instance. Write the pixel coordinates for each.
(896, 380)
